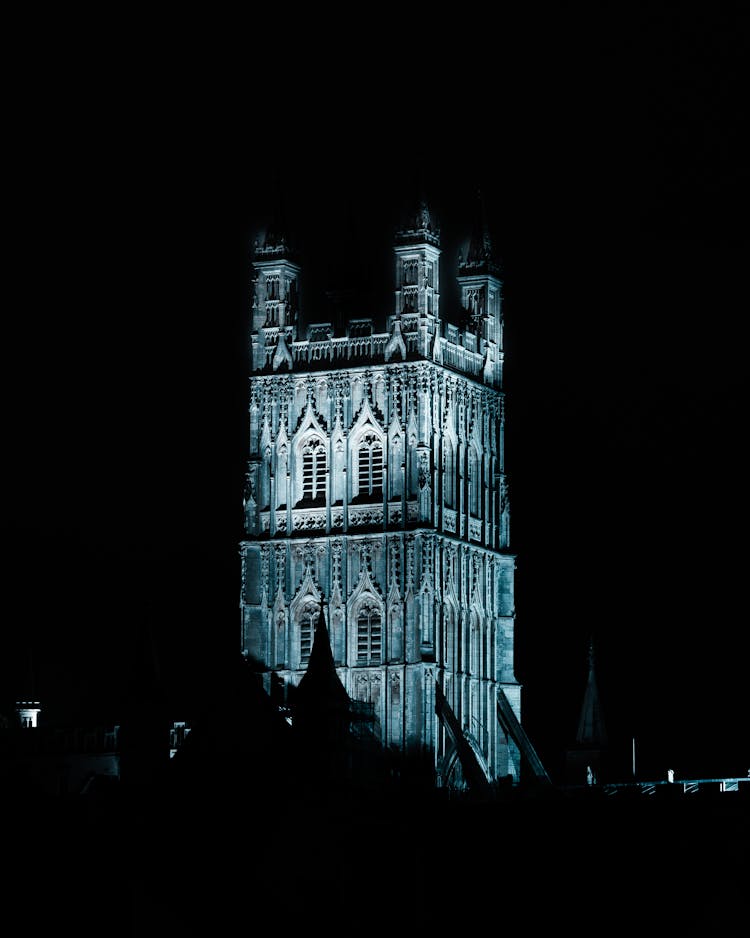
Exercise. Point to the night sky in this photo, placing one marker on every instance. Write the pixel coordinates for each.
(613, 180)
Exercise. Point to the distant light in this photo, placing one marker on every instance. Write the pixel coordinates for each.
(28, 712)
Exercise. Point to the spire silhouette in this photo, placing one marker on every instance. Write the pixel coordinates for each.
(275, 241)
(591, 730)
(320, 687)
(419, 223)
(480, 257)
(321, 716)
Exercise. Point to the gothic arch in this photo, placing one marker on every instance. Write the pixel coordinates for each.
(477, 750)
(309, 461)
(366, 456)
(451, 769)
(366, 620)
(367, 626)
(304, 610)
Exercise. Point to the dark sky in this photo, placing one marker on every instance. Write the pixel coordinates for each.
(610, 162)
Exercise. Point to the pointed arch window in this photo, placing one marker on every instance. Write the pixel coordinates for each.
(369, 635)
(370, 467)
(313, 470)
(307, 620)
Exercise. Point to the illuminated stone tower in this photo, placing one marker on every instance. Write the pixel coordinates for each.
(376, 489)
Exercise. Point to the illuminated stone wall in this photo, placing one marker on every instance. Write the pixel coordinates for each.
(376, 486)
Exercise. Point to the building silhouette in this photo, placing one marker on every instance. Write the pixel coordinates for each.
(376, 503)
(586, 760)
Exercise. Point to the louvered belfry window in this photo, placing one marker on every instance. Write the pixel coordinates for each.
(307, 631)
(369, 635)
(371, 466)
(313, 470)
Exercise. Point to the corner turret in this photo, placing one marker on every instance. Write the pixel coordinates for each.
(275, 311)
(480, 283)
(417, 296)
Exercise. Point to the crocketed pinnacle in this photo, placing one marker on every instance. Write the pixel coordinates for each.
(479, 254)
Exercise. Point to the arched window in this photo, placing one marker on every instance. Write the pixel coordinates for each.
(307, 620)
(313, 470)
(369, 635)
(370, 467)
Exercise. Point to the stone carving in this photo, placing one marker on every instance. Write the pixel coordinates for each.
(418, 390)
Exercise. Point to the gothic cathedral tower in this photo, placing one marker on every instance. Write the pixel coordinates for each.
(376, 489)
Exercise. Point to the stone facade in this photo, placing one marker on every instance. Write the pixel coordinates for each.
(376, 487)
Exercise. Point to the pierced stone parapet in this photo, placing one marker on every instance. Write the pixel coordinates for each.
(308, 519)
(366, 515)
